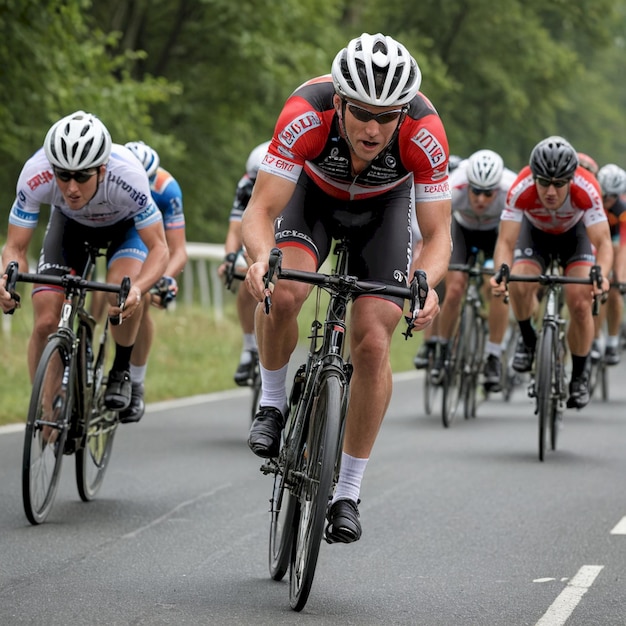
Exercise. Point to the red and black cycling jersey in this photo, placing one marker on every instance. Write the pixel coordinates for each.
(307, 137)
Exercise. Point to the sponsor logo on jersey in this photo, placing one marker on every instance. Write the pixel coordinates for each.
(278, 164)
(438, 188)
(429, 145)
(41, 178)
(298, 127)
(140, 198)
(438, 174)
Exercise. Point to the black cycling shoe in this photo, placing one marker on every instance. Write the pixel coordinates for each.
(137, 406)
(245, 372)
(611, 355)
(524, 355)
(343, 525)
(264, 438)
(578, 392)
(118, 392)
(492, 372)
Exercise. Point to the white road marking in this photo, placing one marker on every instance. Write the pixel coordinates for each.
(620, 528)
(561, 609)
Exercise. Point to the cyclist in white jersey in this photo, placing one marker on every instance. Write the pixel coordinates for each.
(479, 188)
(246, 304)
(98, 193)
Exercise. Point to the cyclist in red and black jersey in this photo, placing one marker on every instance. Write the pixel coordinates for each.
(352, 153)
(555, 207)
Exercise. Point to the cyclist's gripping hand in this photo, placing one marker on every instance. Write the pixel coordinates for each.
(9, 301)
(255, 279)
(129, 307)
(429, 312)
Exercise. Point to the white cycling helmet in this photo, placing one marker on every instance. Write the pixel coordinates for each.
(612, 179)
(148, 156)
(255, 159)
(376, 70)
(484, 169)
(79, 141)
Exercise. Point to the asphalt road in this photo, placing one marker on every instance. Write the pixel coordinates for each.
(460, 526)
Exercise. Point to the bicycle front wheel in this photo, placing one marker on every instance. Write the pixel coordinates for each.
(452, 379)
(546, 367)
(256, 391)
(320, 458)
(282, 515)
(46, 429)
(474, 360)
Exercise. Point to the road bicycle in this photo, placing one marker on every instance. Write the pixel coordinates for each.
(548, 380)
(307, 467)
(234, 261)
(66, 414)
(464, 360)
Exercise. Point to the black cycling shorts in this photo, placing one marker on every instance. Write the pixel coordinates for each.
(378, 230)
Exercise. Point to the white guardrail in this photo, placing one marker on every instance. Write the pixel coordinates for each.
(201, 270)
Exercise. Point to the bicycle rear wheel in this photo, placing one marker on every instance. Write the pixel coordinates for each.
(46, 429)
(93, 455)
(546, 361)
(318, 470)
(282, 515)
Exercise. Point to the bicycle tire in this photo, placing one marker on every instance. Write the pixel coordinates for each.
(604, 382)
(319, 464)
(510, 378)
(45, 434)
(430, 389)
(93, 455)
(544, 384)
(282, 515)
(474, 351)
(452, 378)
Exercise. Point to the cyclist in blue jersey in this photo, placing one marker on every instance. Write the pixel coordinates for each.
(246, 304)
(98, 193)
(168, 197)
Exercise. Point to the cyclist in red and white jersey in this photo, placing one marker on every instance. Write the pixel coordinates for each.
(98, 193)
(555, 207)
(352, 152)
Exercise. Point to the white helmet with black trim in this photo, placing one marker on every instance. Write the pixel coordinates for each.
(612, 179)
(148, 156)
(376, 70)
(79, 141)
(484, 169)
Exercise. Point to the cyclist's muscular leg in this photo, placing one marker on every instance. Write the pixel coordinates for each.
(455, 285)
(581, 327)
(371, 325)
(46, 311)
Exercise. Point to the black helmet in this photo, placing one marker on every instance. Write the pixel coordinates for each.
(553, 157)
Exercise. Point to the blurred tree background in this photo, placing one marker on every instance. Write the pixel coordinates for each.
(203, 81)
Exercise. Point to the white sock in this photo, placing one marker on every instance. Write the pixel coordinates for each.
(249, 342)
(350, 477)
(274, 388)
(493, 348)
(612, 341)
(138, 373)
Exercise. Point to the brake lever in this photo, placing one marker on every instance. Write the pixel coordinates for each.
(273, 268)
(503, 275)
(121, 300)
(419, 292)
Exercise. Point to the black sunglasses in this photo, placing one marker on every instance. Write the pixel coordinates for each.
(81, 176)
(477, 191)
(557, 182)
(363, 115)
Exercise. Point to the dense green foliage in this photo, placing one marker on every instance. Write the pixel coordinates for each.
(203, 80)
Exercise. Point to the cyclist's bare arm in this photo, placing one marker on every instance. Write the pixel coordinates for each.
(270, 195)
(16, 249)
(177, 246)
(503, 253)
(434, 223)
(600, 237)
